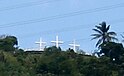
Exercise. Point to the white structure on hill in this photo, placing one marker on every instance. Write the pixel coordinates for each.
(75, 46)
(41, 44)
(57, 42)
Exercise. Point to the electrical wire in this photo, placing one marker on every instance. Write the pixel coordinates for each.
(62, 16)
(70, 29)
(27, 5)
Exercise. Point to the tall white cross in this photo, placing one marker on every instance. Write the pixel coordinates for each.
(74, 45)
(57, 42)
(41, 44)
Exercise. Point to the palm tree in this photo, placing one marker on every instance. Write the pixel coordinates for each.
(103, 35)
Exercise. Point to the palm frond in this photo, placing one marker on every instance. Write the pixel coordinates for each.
(108, 28)
(96, 36)
(103, 24)
(113, 38)
(98, 31)
(112, 33)
(122, 36)
(99, 41)
(99, 27)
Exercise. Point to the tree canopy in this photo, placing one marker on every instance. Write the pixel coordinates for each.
(7, 43)
(103, 35)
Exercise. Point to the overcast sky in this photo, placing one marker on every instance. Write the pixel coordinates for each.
(29, 20)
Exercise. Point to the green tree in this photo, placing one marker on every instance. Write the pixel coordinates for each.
(103, 34)
(113, 50)
(7, 43)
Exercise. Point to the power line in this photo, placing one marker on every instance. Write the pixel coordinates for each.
(62, 16)
(27, 5)
(68, 29)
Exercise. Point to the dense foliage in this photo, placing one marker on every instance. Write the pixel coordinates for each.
(55, 62)
(7, 43)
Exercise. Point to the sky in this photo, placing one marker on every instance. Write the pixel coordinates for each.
(29, 20)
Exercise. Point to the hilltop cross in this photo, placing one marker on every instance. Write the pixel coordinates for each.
(57, 42)
(74, 45)
(41, 44)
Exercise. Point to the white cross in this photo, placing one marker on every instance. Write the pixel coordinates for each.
(41, 44)
(57, 42)
(74, 45)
